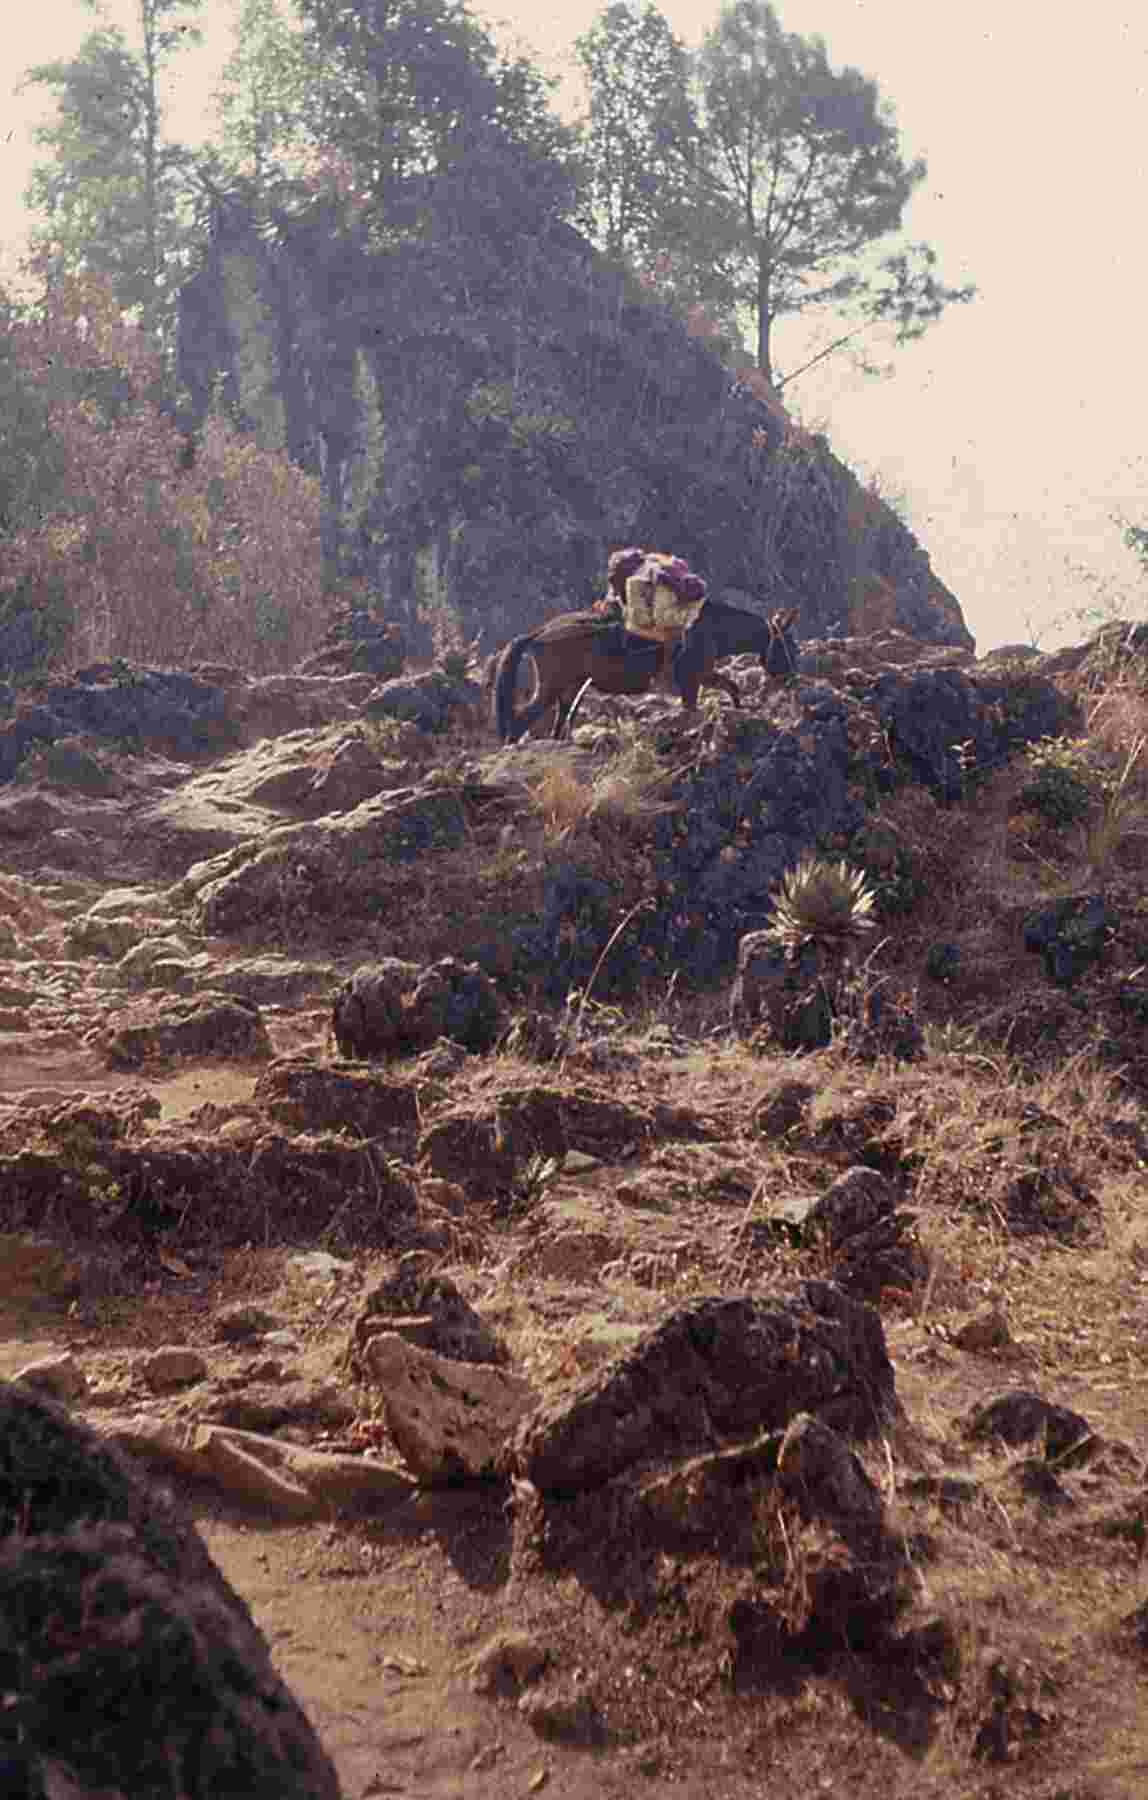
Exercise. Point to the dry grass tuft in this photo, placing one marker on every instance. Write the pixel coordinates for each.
(623, 797)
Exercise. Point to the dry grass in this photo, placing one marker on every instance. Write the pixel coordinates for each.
(623, 796)
(1016, 1145)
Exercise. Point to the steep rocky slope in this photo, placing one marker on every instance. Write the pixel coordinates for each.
(493, 409)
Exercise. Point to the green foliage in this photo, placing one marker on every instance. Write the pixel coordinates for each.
(1136, 538)
(31, 457)
(402, 90)
(751, 179)
(262, 100)
(1065, 782)
(640, 139)
(114, 199)
(37, 621)
(807, 161)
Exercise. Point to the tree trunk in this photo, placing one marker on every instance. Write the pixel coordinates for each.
(152, 155)
(764, 315)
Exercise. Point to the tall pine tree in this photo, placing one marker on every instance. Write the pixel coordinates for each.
(808, 160)
(113, 197)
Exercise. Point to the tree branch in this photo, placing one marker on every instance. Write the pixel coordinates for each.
(822, 354)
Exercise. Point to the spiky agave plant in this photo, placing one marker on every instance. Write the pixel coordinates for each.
(829, 904)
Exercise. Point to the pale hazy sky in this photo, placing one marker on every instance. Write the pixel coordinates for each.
(1015, 430)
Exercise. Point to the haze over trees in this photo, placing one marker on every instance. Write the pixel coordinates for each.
(763, 178)
(113, 197)
(381, 268)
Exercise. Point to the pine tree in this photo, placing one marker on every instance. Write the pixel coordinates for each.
(114, 198)
(808, 159)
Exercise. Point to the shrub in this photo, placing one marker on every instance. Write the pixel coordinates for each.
(117, 545)
(1063, 783)
(828, 904)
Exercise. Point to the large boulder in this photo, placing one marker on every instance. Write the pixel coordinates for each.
(129, 1665)
(335, 866)
(357, 642)
(449, 1419)
(209, 1188)
(207, 1025)
(430, 701)
(132, 707)
(718, 1368)
(427, 1310)
(396, 1008)
(309, 1096)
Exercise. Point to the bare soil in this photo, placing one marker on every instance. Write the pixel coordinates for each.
(1018, 1144)
(374, 1622)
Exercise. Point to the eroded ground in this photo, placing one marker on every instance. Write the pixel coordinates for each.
(1009, 1656)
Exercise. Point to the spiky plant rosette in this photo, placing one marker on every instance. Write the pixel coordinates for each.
(829, 904)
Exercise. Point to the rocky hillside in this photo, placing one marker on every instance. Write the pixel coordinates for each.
(593, 1341)
(495, 408)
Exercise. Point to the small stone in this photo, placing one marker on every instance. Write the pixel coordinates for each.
(988, 1331)
(579, 1162)
(509, 1661)
(570, 1718)
(320, 1265)
(487, 1757)
(172, 1366)
(238, 1323)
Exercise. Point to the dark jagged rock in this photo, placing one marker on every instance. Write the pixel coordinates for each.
(716, 1368)
(485, 1148)
(593, 376)
(310, 1096)
(464, 1147)
(209, 1191)
(943, 962)
(357, 643)
(165, 709)
(128, 1663)
(1020, 1417)
(396, 1008)
(429, 701)
(428, 1310)
(1071, 935)
(872, 1242)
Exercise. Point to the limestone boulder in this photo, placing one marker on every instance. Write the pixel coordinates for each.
(208, 1025)
(451, 1421)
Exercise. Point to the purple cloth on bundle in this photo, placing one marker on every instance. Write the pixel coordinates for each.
(625, 563)
(679, 576)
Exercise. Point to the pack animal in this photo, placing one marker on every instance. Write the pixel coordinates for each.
(571, 652)
(718, 630)
(724, 630)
